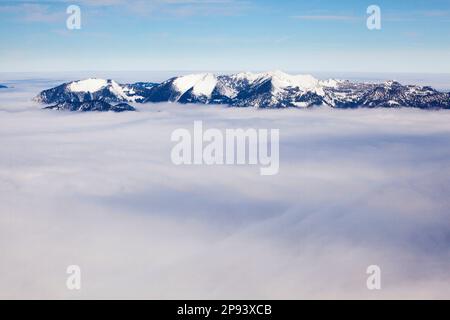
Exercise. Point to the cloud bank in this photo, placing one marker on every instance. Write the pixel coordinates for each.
(355, 188)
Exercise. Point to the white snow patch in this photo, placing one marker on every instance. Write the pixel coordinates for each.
(88, 85)
(202, 84)
(205, 86)
(301, 104)
(284, 80)
(185, 83)
(249, 76)
(118, 91)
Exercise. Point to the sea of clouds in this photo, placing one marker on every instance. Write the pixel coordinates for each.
(98, 190)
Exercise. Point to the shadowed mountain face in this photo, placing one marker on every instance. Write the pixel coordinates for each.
(3, 87)
(91, 95)
(262, 90)
(94, 105)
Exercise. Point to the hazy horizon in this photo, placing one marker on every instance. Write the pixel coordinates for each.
(440, 81)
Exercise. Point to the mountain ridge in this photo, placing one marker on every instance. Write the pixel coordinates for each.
(274, 89)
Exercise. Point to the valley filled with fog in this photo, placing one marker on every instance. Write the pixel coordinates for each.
(355, 188)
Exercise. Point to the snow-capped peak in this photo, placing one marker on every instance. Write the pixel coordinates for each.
(331, 83)
(281, 80)
(89, 85)
(185, 83)
(390, 83)
(94, 86)
(249, 76)
(284, 80)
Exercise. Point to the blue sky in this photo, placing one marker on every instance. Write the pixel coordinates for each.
(226, 35)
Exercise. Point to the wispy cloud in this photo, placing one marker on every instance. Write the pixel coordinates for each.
(437, 13)
(33, 12)
(328, 17)
(50, 11)
(175, 7)
(357, 187)
(40, 13)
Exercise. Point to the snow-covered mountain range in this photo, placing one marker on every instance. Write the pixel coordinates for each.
(262, 90)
